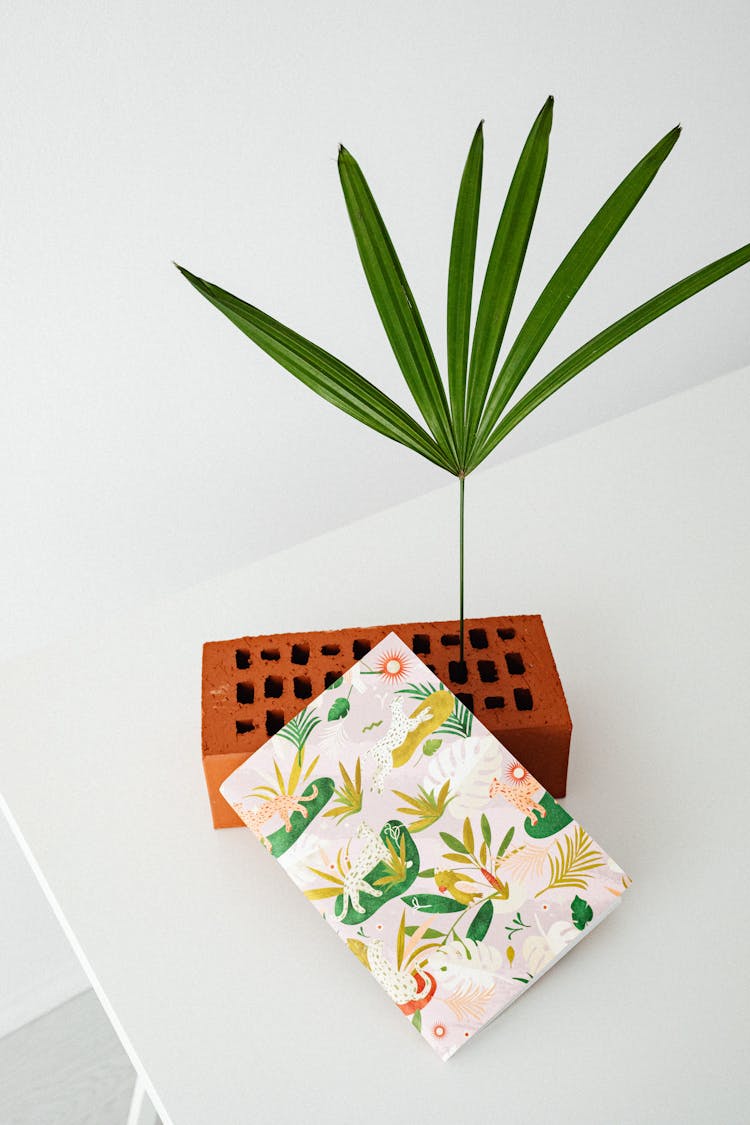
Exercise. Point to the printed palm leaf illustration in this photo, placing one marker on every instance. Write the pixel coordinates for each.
(295, 773)
(298, 730)
(428, 807)
(396, 864)
(348, 795)
(458, 722)
(572, 863)
(465, 423)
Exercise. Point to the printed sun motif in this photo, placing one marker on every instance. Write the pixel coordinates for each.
(516, 773)
(392, 666)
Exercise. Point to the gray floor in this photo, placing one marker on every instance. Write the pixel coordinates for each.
(66, 1068)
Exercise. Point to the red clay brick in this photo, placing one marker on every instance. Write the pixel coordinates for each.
(253, 685)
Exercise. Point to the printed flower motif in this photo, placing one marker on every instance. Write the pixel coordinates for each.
(392, 666)
(439, 1031)
(516, 774)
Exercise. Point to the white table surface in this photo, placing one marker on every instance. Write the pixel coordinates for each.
(233, 997)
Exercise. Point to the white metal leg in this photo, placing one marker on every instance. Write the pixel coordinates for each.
(141, 1111)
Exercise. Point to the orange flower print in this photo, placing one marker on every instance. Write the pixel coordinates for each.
(392, 666)
(516, 774)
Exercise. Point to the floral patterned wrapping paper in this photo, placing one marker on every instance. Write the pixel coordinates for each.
(433, 854)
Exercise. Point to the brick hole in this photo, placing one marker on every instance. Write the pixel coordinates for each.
(432, 669)
(494, 702)
(331, 678)
(506, 634)
(245, 693)
(478, 638)
(300, 653)
(302, 687)
(420, 644)
(515, 663)
(330, 650)
(242, 658)
(466, 699)
(524, 702)
(458, 671)
(274, 722)
(273, 687)
(269, 654)
(487, 671)
(450, 639)
(244, 726)
(360, 649)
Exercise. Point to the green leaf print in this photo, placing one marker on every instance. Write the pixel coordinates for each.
(339, 709)
(505, 842)
(581, 912)
(477, 931)
(428, 933)
(453, 843)
(431, 746)
(433, 904)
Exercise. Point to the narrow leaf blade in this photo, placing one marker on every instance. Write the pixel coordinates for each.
(322, 372)
(395, 303)
(568, 279)
(610, 337)
(477, 931)
(461, 280)
(505, 263)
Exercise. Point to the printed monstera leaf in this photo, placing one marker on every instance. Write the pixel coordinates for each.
(470, 764)
(455, 964)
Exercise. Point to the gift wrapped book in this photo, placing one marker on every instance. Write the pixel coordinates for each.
(436, 857)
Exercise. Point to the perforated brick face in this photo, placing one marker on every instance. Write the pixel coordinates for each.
(252, 686)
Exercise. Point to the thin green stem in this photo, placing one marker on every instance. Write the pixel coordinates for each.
(461, 481)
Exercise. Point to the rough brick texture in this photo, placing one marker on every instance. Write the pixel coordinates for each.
(252, 686)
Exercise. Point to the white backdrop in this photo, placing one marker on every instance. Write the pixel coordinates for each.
(144, 443)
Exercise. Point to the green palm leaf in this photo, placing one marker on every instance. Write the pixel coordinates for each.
(396, 305)
(568, 279)
(461, 281)
(322, 372)
(610, 337)
(505, 263)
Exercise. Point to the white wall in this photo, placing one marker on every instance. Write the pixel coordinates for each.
(143, 442)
